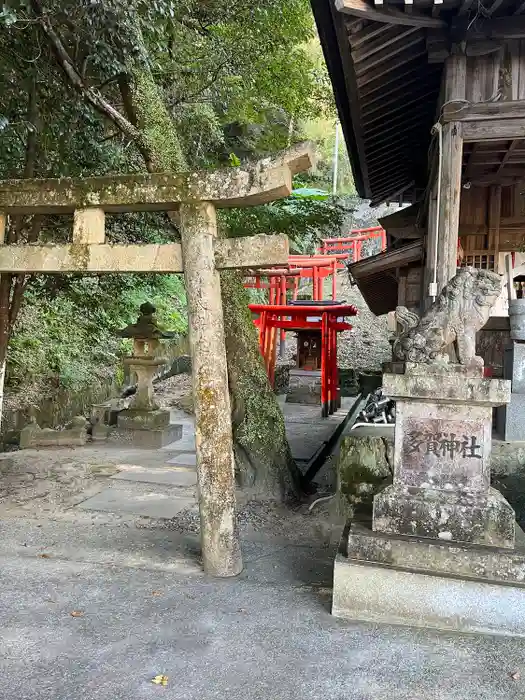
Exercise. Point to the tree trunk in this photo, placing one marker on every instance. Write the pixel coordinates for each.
(263, 458)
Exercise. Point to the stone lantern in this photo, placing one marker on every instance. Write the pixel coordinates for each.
(148, 424)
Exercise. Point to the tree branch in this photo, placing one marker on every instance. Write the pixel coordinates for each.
(90, 94)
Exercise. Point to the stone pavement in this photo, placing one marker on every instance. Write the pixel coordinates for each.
(142, 608)
(164, 490)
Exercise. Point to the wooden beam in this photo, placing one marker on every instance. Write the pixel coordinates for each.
(367, 34)
(460, 111)
(504, 28)
(455, 78)
(420, 98)
(413, 53)
(494, 129)
(391, 36)
(415, 115)
(386, 54)
(507, 155)
(380, 198)
(360, 8)
(398, 88)
(391, 82)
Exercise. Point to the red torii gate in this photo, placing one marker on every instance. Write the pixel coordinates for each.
(328, 319)
(353, 244)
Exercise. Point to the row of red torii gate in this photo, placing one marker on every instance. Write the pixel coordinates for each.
(296, 302)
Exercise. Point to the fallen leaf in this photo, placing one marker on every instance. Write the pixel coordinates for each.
(156, 592)
(241, 610)
(515, 675)
(45, 556)
(76, 613)
(160, 680)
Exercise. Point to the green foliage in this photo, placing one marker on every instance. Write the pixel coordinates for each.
(303, 219)
(66, 334)
(213, 82)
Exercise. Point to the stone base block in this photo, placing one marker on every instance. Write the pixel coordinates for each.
(475, 518)
(427, 583)
(304, 396)
(384, 594)
(150, 439)
(135, 419)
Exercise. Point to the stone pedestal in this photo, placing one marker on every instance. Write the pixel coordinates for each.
(144, 423)
(148, 429)
(440, 518)
(304, 387)
(511, 418)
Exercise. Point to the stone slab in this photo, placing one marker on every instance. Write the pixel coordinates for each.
(382, 594)
(514, 366)
(431, 556)
(152, 439)
(448, 388)
(442, 446)
(139, 499)
(511, 419)
(186, 459)
(166, 476)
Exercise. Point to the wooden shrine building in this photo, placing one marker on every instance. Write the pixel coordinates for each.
(431, 99)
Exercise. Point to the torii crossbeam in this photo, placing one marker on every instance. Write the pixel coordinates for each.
(195, 196)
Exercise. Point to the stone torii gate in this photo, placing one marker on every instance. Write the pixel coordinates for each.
(195, 197)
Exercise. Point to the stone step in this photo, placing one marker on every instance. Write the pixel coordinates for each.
(168, 476)
(147, 500)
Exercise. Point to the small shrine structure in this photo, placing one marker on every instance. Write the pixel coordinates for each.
(316, 325)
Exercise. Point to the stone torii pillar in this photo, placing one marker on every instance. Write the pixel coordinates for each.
(195, 196)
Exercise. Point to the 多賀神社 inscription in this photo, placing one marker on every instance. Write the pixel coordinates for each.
(444, 444)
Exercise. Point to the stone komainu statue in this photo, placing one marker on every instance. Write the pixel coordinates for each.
(461, 309)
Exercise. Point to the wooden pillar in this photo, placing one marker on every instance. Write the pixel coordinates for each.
(213, 428)
(445, 235)
(494, 222)
(455, 80)
(452, 155)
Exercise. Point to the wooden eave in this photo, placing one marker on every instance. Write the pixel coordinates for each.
(376, 276)
(383, 60)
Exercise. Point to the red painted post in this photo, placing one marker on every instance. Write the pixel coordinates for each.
(295, 288)
(315, 284)
(283, 301)
(334, 279)
(325, 366)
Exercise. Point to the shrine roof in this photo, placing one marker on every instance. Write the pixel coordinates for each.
(385, 60)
